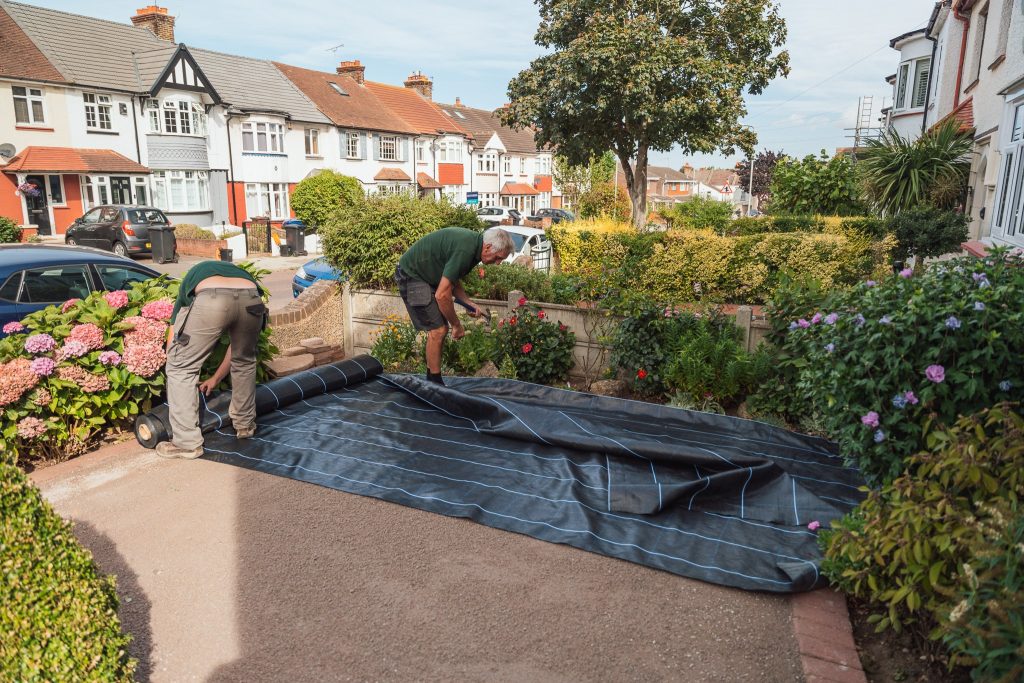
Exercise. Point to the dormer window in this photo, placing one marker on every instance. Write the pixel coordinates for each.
(176, 116)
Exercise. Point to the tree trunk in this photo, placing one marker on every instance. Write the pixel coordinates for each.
(636, 185)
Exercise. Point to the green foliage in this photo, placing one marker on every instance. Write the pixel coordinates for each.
(366, 239)
(190, 231)
(642, 342)
(467, 355)
(319, 197)
(604, 200)
(986, 628)
(539, 348)
(644, 75)
(901, 173)
(816, 185)
(700, 214)
(577, 180)
(962, 315)
(9, 230)
(500, 279)
(58, 615)
(904, 548)
(925, 231)
(764, 171)
(394, 345)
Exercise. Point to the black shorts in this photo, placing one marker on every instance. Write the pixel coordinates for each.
(420, 302)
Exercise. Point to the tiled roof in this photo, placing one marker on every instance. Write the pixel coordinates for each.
(665, 173)
(483, 124)
(359, 108)
(517, 189)
(964, 113)
(19, 56)
(417, 111)
(72, 160)
(392, 174)
(716, 177)
(427, 183)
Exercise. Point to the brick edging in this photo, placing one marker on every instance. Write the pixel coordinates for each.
(307, 303)
(824, 638)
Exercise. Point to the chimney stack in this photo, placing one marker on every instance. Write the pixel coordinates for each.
(352, 68)
(421, 84)
(157, 20)
(458, 102)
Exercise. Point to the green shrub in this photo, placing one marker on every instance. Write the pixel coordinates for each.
(539, 348)
(500, 279)
(925, 232)
(905, 546)
(394, 345)
(316, 198)
(467, 355)
(642, 342)
(366, 239)
(9, 230)
(866, 225)
(190, 231)
(699, 214)
(58, 615)
(951, 338)
(604, 200)
(816, 185)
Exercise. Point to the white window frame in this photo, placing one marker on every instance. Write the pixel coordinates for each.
(270, 134)
(141, 183)
(31, 96)
(421, 151)
(394, 188)
(388, 148)
(171, 191)
(1008, 208)
(98, 106)
(907, 79)
(487, 162)
(176, 116)
(488, 199)
(268, 199)
(95, 191)
(522, 165)
(543, 165)
(312, 141)
(506, 165)
(450, 152)
(352, 146)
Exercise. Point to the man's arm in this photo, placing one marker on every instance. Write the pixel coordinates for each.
(460, 294)
(446, 302)
(219, 374)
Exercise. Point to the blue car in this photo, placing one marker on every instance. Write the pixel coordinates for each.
(311, 271)
(33, 276)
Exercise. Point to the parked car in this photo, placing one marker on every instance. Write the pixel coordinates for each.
(120, 228)
(311, 271)
(33, 277)
(524, 240)
(494, 215)
(556, 215)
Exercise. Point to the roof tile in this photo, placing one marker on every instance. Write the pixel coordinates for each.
(420, 113)
(19, 56)
(71, 160)
(518, 189)
(391, 173)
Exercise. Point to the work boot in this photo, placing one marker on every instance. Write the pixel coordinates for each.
(245, 433)
(167, 449)
(435, 377)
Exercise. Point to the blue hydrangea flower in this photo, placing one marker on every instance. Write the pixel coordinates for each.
(879, 436)
(900, 401)
(830, 347)
(1005, 385)
(979, 306)
(859, 320)
(831, 318)
(885, 320)
(792, 326)
(953, 323)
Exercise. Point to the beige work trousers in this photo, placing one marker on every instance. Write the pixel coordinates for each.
(215, 311)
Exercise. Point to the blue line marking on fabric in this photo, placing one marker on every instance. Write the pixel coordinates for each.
(654, 474)
(796, 512)
(602, 436)
(495, 402)
(743, 491)
(277, 401)
(302, 392)
(608, 467)
(800, 532)
(428, 402)
(697, 492)
(825, 481)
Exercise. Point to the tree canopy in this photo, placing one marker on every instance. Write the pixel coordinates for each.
(764, 169)
(639, 75)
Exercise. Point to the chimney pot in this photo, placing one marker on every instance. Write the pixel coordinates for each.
(421, 84)
(155, 19)
(353, 68)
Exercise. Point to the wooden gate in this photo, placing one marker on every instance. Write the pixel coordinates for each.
(257, 235)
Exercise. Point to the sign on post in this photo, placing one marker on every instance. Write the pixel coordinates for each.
(472, 197)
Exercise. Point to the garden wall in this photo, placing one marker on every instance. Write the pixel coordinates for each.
(364, 312)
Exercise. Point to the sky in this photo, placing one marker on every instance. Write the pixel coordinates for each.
(839, 52)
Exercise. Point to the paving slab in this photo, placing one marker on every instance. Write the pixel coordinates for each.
(227, 574)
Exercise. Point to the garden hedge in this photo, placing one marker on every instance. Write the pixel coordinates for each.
(58, 614)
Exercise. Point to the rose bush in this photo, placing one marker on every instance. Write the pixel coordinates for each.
(540, 349)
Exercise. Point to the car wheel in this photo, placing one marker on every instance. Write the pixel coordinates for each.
(120, 249)
(71, 241)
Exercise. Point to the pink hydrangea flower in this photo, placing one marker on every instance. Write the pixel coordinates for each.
(13, 327)
(158, 310)
(31, 427)
(144, 360)
(816, 319)
(911, 398)
(43, 366)
(144, 332)
(117, 298)
(68, 304)
(110, 358)
(870, 419)
(42, 396)
(906, 272)
(16, 377)
(88, 334)
(802, 323)
(72, 349)
(814, 526)
(40, 343)
(87, 381)
(935, 373)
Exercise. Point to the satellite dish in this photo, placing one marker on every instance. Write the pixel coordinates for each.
(7, 150)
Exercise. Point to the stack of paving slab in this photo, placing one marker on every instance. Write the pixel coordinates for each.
(309, 353)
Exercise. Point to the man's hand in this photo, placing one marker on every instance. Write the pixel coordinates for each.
(209, 385)
(458, 331)
(475, 312)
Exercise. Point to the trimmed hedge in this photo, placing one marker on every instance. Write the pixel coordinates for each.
(867, 225)
(58, 615)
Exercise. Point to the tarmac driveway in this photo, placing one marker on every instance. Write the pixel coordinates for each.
(227, 574)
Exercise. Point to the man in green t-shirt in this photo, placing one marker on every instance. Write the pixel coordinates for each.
(215, 298)
(428, 277)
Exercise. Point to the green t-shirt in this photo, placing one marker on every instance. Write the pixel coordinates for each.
(448, 252)
(198, 273)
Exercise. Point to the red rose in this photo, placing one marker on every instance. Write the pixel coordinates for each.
(522, 301)
(562, 327)
(527, 347)
(641, 373)
(500, 323)
(512, 320)
(540, 314)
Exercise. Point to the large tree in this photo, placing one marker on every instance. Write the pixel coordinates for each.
(764, 169)
(576, 180)
(639, 75)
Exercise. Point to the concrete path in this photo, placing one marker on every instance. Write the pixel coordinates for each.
(230, 575)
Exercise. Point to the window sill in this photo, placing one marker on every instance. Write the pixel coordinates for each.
(264, 154)
(29, 126)
(972, 86)
(997, 61)
(101, 132)
(176, 135)
(314, 157)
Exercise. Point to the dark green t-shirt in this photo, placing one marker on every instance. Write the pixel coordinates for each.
(198, 273)
(448, 252)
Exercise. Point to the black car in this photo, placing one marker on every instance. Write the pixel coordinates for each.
(119, 228)
(556, 215)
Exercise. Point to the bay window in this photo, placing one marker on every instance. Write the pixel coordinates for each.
(267, 199)
(97, 111)
(394, 188)
(450, 151)
(175, 117)
(262, 137)
(912, 83)
(181, 190)
(1009, 206)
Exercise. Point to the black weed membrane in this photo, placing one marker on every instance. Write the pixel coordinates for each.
(706, 496)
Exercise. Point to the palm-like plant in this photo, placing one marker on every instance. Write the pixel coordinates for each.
(900, 173)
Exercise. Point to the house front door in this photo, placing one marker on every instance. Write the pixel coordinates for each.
(120, 190)
(38, 208)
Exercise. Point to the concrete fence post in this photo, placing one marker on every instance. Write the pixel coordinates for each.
(513, 299)
(744, 316)
(347, 331)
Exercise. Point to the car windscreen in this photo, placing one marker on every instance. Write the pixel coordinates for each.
(518, 240)
(142, 216)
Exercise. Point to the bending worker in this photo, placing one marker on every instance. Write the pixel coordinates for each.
(214, 298)
(428, 277)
